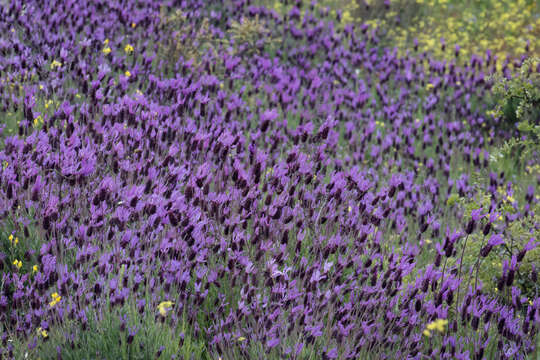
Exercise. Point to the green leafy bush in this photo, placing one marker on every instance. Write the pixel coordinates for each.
(518, 107)
(252, 36)
(185, 40)
(519, 96)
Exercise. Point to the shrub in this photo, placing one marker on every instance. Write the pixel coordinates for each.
(518, 97)
(518, 109)
(251, 36)
(184, 39)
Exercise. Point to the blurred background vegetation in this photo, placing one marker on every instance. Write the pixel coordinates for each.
(505, 27)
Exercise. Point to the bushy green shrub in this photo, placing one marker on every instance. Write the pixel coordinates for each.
(518, 108)
(186, 40)
(519, 96)
(252, 36)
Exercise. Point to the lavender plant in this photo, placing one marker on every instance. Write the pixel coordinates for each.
(306, 200)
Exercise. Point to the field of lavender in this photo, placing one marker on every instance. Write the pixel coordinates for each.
(243, 179)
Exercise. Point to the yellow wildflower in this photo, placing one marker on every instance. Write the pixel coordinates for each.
(38, 120)
(34, 269)
(42, 332)
(241, 338)
(17, 263)
(438, 325)
(127, 73)
(347, 17)
(128, 49)
(164, 306)
(55, 299)
(55, 64)
(106, 50)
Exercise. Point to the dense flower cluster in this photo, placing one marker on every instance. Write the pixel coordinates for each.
(283, 201)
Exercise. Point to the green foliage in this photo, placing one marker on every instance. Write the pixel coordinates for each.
(17, 247)
(252, 36)
(519, 233)
(106, 337)
(193, 42)
(485, 269)
(185, 40)
(519, 96)
(516, 235)
(408, 13)
(518, 106)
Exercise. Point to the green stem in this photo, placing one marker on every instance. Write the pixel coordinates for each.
(477, 264)
(459, 273)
